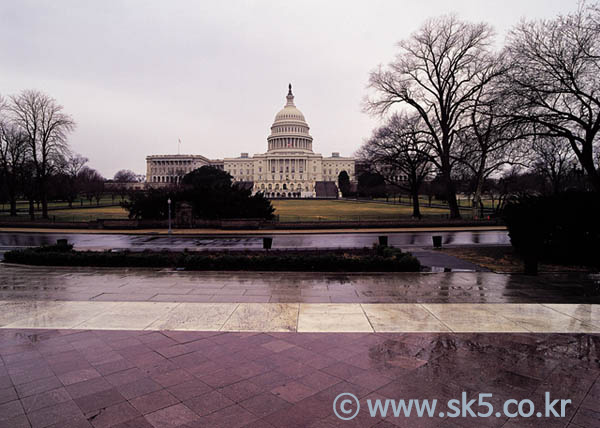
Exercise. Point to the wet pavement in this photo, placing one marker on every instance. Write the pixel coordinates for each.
(138, 284)
(166, 379)
(154, 348)
(239, 241)
(303, 317)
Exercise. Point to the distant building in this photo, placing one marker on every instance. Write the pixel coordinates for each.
(289, 168)
(170, 169)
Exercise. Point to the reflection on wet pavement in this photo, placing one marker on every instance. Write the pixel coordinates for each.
(303, 317)
(209, 379)
(129, 284)
(251, 242)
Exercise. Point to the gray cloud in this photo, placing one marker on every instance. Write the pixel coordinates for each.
(138, 75)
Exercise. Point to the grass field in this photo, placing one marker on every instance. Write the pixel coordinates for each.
(462, 202)
(299, 210)
(87, 214)
(105, 200)
(288, 210)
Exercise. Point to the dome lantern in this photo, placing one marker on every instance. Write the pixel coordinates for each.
(290, 97)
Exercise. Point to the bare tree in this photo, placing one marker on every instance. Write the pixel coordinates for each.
(555, 80)
(92, 183)
(72, 165)
(13, 155)
(439, 70)
(399, 152)
(489, 139)
(46, 127)
(553, 160)
(125, 176)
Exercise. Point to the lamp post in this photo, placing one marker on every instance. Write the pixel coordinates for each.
(169, 203)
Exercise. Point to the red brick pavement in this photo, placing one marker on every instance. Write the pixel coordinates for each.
(124, 379)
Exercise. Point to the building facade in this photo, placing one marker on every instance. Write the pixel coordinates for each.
(289, 168)
(165, 170)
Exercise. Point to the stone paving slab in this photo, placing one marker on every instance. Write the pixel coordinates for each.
(91, 378)
(302, 317)
(165, 285)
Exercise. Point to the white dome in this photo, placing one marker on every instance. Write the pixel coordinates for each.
(290, 130)
(289, 113)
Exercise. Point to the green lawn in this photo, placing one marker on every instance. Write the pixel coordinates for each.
(105, 200)
(306, 209)
(463, 202)
(81, 214)
(288, 210)
(87, 214)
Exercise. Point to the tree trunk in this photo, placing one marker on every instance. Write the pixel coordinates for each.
(43, 197)
(451, 196)
(450, 188)
(44, 205)
(415, 201)
(31, 208)
(586, 159)
(477, 202)
(13, 206)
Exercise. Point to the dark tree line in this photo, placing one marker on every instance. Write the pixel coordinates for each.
(209, 192)
(36, 162)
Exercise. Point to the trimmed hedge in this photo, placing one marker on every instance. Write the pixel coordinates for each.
(388, 260)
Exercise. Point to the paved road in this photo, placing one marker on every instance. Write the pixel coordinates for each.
(11, 240)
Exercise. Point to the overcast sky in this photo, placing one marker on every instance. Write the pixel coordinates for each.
(138, 75)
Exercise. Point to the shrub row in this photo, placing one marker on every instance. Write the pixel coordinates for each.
(373, 261)
(562, 228)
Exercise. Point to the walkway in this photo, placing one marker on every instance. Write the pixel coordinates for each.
(164, 285)
(169, 379)
(302, 317)
(150, 348)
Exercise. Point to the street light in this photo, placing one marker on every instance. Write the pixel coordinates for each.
(169, 202)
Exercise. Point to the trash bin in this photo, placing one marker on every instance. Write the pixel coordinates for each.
(383, 241)
(267, 243)
(437, 241)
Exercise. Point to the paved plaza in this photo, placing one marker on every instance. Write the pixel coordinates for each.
(116, 347)
(95, 378)
(165, 285)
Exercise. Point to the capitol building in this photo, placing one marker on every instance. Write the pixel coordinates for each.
(289, 168)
